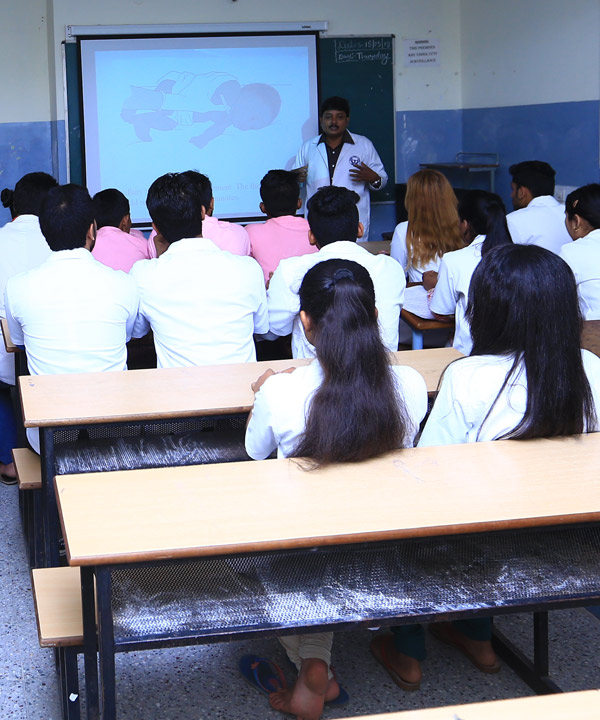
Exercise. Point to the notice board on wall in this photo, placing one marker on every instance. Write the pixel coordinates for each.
(362, 70)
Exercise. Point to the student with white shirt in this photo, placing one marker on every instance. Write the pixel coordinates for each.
(583, 256)
(22, 246)
(483, 226)
(202, 303)
(526, 378)
(71, 313)
(334, 227)
(318, 412)
(538, 217)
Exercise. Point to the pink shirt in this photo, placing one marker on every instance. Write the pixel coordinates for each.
(119, 250)
(277, 239)
(226, 235)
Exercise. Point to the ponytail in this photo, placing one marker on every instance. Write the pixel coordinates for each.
(585, 202)
(355, 414)
(486, 215)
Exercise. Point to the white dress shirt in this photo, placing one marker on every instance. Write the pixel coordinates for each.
(22, 247)
(284, 303)
(583, 257)
(399, 252)
(452, 290)
(282, 404)
(202, 303)
(541, 223)
(314, 154)
(470, 388)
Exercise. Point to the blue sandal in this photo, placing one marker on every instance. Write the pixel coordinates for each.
(264, 675)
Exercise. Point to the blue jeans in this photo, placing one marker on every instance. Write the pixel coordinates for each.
(8, 425)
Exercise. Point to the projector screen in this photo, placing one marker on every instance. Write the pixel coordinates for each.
(231, 107)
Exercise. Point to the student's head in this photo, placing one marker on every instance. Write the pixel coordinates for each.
(355, 413)
(67, 218)
(334, 116)
(582, 210)
(256, 106)
(175, 207)
(432, 217)
(483, 213)
(111, 209)
(523, 303)
(28, 194)
(204, 189)
(333, 216)
(530, 179)
(280, 193)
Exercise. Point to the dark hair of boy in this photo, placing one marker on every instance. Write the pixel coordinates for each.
(110, 207)
(333, 215)
(66, 214)
(535, 175)
(175, 207)
(29, 192)
(280, 193)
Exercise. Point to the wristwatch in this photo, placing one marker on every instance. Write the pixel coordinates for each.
(377, 184)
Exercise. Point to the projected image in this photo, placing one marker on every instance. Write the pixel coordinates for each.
(232, 108)
(216, 98)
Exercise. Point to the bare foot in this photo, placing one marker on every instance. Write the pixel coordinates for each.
(8, 470)
(305, 700)
(404, 670)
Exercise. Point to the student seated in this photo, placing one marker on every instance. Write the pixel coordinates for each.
(283, 235)
(483, 227)
(71, 313)
(22, 247)
(527, 377)
(116, 246)
(538, 218)
(334, 228)
(226, 235)
(317, 412)
(583, 255)
(202, 303)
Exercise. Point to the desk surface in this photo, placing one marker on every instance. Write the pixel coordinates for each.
(274, 504)
(8, 343)
(94, 398)
(376, 246)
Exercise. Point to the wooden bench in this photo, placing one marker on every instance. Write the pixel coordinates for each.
(583, 705)
(29, 477)
(57, 600)
(419, 325)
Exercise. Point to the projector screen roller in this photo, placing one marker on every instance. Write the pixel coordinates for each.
(230, 107)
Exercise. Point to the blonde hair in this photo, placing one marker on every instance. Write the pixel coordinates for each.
(432, 218)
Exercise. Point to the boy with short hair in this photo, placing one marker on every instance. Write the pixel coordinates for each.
(284, 234)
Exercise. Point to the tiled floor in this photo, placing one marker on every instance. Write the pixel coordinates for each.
(202, 682)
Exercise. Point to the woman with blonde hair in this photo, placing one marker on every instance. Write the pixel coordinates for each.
(432, 227)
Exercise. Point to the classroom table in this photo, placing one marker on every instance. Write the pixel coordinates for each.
(376, 247)
(64, 406)
(420, 534)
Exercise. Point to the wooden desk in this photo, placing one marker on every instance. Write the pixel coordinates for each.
(375, 247)
(232, 520)
(418, 325)
(170, 395)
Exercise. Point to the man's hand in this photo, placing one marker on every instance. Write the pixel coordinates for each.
(430, 278)
(301, 173)
(364, 173)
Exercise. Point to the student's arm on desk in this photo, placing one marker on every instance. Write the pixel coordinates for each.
(445, 297)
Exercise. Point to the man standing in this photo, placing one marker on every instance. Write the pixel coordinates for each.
(338, 157)
(538, 218)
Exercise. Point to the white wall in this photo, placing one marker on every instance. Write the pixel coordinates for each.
(416, 89)
(516, 52)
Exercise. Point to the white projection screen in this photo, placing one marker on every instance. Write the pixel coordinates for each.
(231, 107)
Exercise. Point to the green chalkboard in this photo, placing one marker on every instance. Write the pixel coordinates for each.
(362, 70)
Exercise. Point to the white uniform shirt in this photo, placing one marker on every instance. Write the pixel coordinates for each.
(314, 154)
(22, 247)
(72, 313)
(468, 391)
(399, 252)
(452, 290)
(282, 404)
(541, 223)
(284, 303)
(583, 257)
(202, 303)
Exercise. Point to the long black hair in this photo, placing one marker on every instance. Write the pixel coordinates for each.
(485, 215)
(585, 202)
(523, 302)
(356, 413)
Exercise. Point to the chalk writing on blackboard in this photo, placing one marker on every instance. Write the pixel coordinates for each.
(364, 50)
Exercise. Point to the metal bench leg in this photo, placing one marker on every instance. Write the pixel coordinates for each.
(69, 683)
(417, 340)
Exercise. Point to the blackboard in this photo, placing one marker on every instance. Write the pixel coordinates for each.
(358, 68)
(362, 70)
